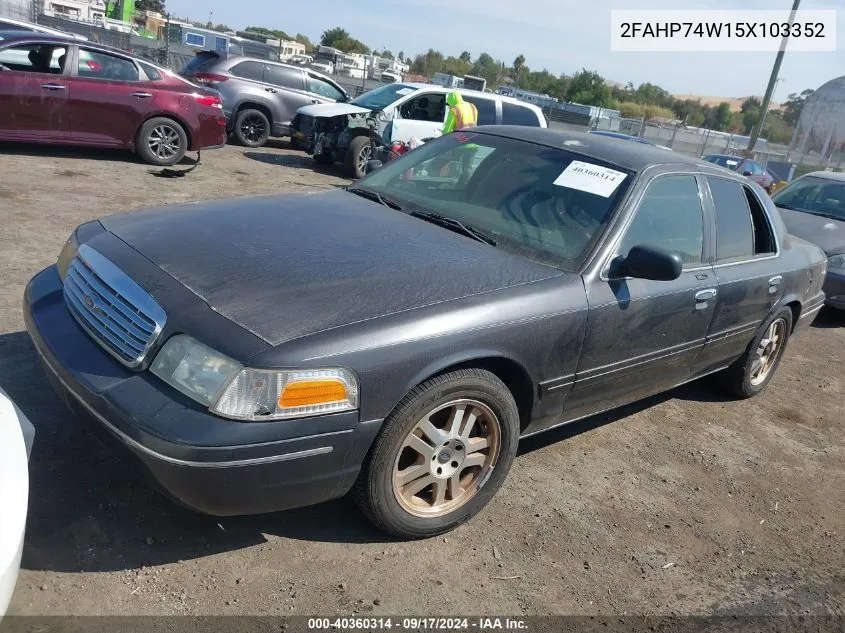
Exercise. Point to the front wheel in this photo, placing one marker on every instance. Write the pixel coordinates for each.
(358, 155)
(750, 374)
(162, 142)
(441, 455)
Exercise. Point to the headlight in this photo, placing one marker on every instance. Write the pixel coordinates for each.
(194, 369)
(233, 391)
(258, 394)
(836, 262)
(67, 254)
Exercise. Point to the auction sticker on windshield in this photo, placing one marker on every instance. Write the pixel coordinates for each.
(600, 181)
(404, 91)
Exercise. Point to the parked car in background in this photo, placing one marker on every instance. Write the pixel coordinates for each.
(260, 97)
(745, 166)
(813, 208)
(8, 24)
(58, 90)
(16, 438)
(395, 113)
(390, 76)
(396, 338)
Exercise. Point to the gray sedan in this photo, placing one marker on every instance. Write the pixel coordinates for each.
(813, 208)
(396, 339)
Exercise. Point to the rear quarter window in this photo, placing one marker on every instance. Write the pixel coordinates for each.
(513, 114)
(151, 72)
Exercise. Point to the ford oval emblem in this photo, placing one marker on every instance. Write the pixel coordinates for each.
(89, 301)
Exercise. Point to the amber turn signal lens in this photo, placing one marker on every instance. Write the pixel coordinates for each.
(302, 393)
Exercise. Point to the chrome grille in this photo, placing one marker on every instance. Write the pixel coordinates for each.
(120, 315)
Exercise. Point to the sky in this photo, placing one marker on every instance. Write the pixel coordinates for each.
(562, 36)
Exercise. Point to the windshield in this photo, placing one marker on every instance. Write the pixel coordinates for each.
(811, 194)
(545, 204)
(382, 97)
(723, 161)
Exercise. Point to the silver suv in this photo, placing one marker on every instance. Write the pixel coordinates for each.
(260, 97)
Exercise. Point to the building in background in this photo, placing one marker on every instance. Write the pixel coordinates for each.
(81, 10)
(821, 127)
(18, 10)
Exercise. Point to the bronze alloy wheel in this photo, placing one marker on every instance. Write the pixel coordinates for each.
(446, 458)
(768, 351)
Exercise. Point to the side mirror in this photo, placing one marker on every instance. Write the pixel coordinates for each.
(650, 262)
(746, 173)
(373, 165)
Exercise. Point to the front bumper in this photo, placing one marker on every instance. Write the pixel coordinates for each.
(216, 466)
(834, 290)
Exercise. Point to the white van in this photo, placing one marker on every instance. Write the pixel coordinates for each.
(343, 132)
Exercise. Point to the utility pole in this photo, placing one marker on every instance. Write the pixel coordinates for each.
(755, 132)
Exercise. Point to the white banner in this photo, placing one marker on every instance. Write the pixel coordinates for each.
(722, 31)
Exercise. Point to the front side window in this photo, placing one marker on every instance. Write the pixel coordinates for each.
(545, 204)
(324, 88)
(734, 230)
(811, 194)
(427, 107)
(97, 65)
(670, 217)
(513, 114)
(34, 58)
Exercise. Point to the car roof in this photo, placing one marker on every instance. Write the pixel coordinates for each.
(239, 58)
(621, 136)
(466, 91)
(37, 36)
(631, 156)
(829, 175)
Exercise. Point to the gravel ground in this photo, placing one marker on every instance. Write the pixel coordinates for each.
(688, 503)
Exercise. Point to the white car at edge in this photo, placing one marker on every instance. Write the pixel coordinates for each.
(16, 436)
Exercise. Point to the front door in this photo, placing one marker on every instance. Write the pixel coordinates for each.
(645, 336)
(748, 290)
(107, 99)
(33, 92)
(420, 117)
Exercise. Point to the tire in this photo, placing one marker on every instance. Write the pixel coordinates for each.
(359, 153)
(741, 379)
(392, 504)
(161, 142)
(252, 128)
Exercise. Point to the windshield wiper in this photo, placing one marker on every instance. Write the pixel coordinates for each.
(829, 216)
(454, 225)
(375, 196)
(780, 205)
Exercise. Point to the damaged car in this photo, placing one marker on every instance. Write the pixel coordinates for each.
(348, 133)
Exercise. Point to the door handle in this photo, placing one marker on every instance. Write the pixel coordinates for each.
(774, 284)
(142, 95)
(272, 90)
(315, 101)
(53, 87)
(703, 296)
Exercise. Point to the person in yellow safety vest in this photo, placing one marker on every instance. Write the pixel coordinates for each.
(461, 114)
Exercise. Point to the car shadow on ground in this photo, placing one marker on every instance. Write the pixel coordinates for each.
(90, 512)
(82, 153)
(829, 318)
(295, 161)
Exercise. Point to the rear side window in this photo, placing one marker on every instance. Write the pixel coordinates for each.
(249, 70)
(98, 65)
(283, 77)
(513, 114)
(734, 230)
(202, 62)
(486, 109)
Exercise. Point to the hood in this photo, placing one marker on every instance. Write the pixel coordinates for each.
(288, 266)
(827, 234)
(329, 110)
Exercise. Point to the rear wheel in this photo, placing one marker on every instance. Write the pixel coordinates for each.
(252, 128)
(162, 142)
(441, 455)
(750, 374)
(358, 155)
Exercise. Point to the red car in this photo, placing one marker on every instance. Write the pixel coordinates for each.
(56, 89)
(745, 166)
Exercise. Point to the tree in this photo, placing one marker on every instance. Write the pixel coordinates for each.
(466, 57)
(305, 41)
(723, 117)
(589, 88)
(273, 33)
(340, 38)
(150, 5)
(793, 106)
(401, 56)
(386, 54)
(518, 65)
(488, 68)
(749, 114)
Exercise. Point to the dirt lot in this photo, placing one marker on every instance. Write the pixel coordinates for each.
(687, 503)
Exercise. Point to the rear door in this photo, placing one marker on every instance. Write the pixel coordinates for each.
(108, 98)
(33, 92)
(286, 87)
(488, 113)
(747, 288)
(514, 114)
(421, 116)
